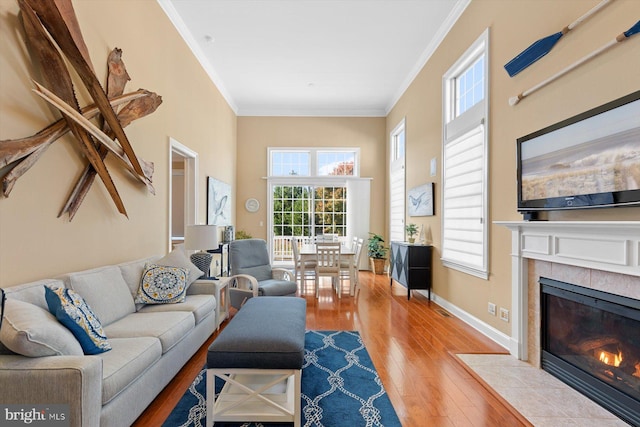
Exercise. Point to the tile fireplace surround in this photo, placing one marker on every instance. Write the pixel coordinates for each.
(603, 255)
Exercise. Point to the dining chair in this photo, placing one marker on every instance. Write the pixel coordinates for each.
(328, 264)
(302, 268)
(356, 265)
(351, 264)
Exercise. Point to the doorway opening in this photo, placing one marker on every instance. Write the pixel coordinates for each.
(183, 190)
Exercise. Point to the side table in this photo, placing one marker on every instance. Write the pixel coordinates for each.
(222, 299)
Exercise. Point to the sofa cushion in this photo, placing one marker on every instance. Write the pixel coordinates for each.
(33, 292)
(105, 291)
(34, 332)
(168, 327)
(200, 305)
(132, 272)
(74, 313)
(162, 284)
(126, 362)
(275, 287)
(178, 258)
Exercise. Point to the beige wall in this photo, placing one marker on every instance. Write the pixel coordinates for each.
(513, 26)
(34, 243)
(256, 134)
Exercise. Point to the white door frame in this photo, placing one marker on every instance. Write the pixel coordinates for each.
(190, 183)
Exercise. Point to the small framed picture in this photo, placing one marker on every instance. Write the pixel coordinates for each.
(420, 200)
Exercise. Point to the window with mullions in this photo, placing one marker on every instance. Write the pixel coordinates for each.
(292, 210)
(336, 162)
(290, 163)
(330, 213)
(314, 162)
(305, 211)
(470, 86)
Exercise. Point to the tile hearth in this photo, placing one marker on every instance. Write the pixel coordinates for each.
(541, 398)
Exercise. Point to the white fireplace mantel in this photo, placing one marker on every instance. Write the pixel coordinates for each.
(612, 246)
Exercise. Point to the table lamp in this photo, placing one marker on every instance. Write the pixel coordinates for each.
(201, 237)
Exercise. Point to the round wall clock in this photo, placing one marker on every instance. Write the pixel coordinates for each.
(252, 205)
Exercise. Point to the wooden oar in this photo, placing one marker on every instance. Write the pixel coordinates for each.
(543, 46)
(620, 38)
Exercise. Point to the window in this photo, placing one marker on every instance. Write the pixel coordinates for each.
(464, 168)
(397, 183)
(336, 162)
(314, 162)
(470, 87)
(285, 163)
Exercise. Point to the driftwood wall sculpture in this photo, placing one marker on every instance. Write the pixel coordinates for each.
(51, 27)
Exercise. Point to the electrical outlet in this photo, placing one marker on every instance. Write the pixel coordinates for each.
(492, 309)
(504, 314)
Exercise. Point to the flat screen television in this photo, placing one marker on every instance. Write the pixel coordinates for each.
(591, 160)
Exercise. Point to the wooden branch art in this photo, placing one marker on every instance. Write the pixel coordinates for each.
(51, 27)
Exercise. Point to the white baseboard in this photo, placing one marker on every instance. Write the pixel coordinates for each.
(490, 332)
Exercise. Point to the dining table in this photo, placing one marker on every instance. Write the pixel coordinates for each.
(347, 252)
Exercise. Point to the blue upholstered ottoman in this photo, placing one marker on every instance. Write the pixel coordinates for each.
(259, 355)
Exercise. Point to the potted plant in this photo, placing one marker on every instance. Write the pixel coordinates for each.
(377, 253)
(411, 230)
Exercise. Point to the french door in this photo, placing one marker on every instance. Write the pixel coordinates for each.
(305, 211)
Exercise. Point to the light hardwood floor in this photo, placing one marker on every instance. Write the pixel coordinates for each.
(412, 345)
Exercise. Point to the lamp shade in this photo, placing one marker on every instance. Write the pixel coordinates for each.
(201, 237)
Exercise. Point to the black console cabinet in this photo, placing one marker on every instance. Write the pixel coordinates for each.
(411, 266)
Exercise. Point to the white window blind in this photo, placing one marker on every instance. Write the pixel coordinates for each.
(397, 183)
(396, 202)
(463, 211)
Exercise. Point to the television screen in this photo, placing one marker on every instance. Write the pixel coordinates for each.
(590, 160)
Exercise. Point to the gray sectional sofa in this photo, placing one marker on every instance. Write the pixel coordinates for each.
(149, 345)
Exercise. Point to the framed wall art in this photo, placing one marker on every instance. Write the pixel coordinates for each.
(420, 200)
(218, 202)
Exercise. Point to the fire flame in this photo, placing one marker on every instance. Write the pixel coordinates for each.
(611, 359)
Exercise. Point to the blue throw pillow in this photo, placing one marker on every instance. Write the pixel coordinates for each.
(73, 312)
(162, 284)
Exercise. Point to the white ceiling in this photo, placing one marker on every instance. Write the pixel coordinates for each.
(313, 57)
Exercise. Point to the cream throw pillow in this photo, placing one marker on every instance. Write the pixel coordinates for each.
(178, 258)
(34, 332)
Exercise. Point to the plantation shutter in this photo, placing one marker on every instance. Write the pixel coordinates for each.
(396, 187)
(463, 201)
(358, 212)
(397, 183)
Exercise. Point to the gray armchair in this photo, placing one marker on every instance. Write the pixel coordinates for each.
(253, 275)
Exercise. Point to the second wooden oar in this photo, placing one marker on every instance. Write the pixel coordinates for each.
(620, 38)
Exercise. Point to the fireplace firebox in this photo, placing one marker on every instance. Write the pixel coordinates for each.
(591, 341)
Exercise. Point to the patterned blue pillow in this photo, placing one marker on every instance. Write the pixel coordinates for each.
(73, 312)
(162, 284)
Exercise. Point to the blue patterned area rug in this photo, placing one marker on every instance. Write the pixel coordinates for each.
(340, 387)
